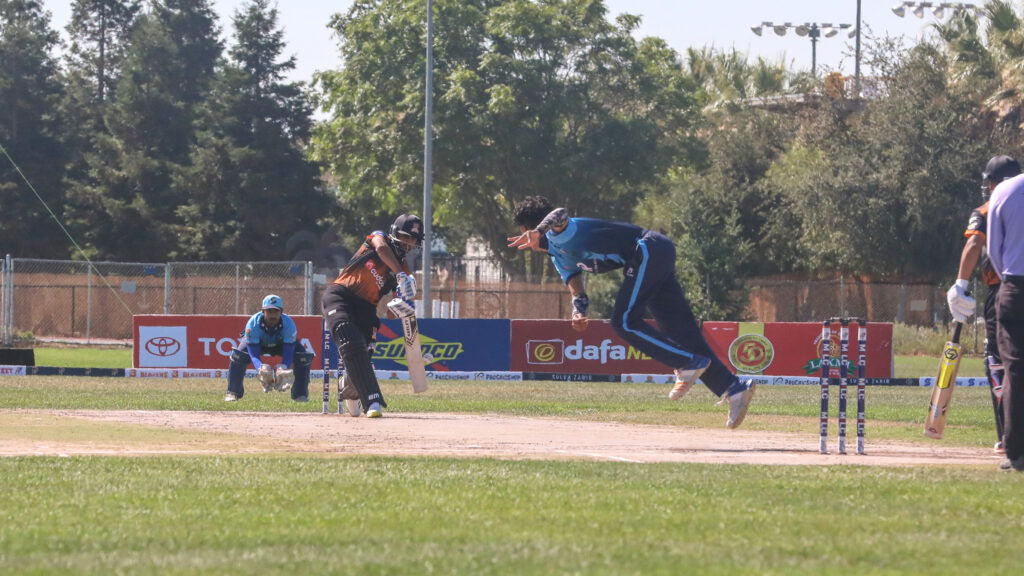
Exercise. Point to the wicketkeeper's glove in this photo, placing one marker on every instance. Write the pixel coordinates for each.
(266, 377)
(285, 378)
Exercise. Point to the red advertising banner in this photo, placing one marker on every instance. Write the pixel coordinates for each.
(794, 348)
(173, 341)
(774, 349)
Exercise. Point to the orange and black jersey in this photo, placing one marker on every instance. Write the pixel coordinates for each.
(366, 275)
(977, 226)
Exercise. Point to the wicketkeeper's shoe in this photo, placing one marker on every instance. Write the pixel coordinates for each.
(687, 376)
(231, 397)
(374, 411)
(350, 396)
(738, 404)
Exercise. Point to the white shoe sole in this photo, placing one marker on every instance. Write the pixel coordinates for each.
(748, 395)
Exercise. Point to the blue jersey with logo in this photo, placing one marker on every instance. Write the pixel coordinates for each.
(257, 333)
(592, 245)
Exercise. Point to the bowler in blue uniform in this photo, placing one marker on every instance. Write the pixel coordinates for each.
(578, 245)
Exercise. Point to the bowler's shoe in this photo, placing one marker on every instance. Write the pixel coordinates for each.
(687, 375)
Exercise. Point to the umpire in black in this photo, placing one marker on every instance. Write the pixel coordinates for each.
(1005, 241)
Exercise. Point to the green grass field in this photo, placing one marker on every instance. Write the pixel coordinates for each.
(302, 513)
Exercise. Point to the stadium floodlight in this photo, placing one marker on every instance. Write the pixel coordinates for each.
(813, 30)
(939, 10)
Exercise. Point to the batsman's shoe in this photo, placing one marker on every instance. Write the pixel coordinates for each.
(1008, 465)
(350, 396)
(738, 404)
(374, 411)
(999, 449)
(687, 376)
(231, 397)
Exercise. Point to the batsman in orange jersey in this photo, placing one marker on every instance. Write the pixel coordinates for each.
(350, 307)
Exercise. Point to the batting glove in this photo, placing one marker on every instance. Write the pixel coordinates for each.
(284, 378)
(266, 377)
(961, 305)
(406, 286)
(401, 308)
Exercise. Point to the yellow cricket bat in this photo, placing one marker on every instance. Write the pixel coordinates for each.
(942, 393)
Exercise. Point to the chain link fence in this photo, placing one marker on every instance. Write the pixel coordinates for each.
(72, 300)
(52, 299)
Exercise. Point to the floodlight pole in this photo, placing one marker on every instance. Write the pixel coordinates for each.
(856, 57)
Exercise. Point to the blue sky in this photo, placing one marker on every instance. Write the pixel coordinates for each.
(681, 23)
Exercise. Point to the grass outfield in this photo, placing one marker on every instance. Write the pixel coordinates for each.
(224, 515)
(292, 514)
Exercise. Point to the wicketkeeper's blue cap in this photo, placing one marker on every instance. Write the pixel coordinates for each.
(273, 301)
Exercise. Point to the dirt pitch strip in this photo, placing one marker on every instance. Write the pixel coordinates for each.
(453, 435)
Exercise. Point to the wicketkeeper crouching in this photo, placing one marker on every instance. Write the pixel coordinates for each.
(270, 331)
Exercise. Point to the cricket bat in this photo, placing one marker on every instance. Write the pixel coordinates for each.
(414, 354)
(942, 394)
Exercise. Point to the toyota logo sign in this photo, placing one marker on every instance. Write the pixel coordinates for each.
(163, 346)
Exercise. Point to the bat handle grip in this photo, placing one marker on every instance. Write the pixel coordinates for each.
(957, 326)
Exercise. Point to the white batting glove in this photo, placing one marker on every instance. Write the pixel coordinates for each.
(406, 288)
(284, 378)
(401, 308)
(961, 305)
(265, 375)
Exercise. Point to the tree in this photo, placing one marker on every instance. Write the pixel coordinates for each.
(29, 132)
(98, 32)
(531, 98)
(882, 190)
(166, 75)
(251, 188)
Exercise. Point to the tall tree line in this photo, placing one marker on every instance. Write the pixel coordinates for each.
(151, 140)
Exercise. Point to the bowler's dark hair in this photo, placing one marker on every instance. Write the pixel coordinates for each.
(531, 210)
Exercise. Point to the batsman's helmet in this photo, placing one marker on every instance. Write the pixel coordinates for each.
(273, 301)
(407, 225)
(999, 168)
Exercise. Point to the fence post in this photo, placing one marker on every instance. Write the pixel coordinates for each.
(167, 288)
(236, 287)
(5, 317)
(10, 299)
(842, 294)
(310, 287)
